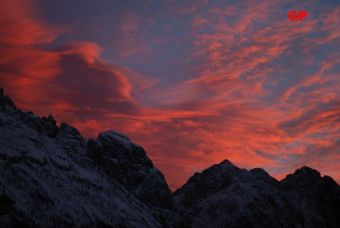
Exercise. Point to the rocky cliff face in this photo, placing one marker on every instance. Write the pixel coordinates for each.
(50, 176)
(127, 163)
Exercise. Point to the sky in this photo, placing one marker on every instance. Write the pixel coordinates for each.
(194, 82)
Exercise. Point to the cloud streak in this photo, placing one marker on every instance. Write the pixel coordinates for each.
(251, 87)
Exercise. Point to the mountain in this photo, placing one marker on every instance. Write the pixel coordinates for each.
(51, 176)
(226, 196)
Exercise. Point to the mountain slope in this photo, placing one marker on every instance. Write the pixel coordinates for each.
(48, 180)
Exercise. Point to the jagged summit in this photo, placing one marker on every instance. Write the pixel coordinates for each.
(51, 176)
(5, 100)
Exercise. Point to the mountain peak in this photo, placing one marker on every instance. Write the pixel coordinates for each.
(308, 178)
(226, 162)
(116, 139)
(307, 171)
(303, 175)
(5, 100)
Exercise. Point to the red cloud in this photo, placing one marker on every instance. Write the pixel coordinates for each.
(71, 82)
(224, 112)
(18, 27)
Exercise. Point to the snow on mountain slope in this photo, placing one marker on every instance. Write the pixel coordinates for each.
(48, 181)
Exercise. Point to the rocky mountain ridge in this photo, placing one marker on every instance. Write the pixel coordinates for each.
(51, 176)
(226, 196)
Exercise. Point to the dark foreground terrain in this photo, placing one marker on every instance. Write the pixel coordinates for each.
(51, 176)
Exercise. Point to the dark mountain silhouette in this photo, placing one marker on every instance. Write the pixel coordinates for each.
(226, 196)
(51, 176)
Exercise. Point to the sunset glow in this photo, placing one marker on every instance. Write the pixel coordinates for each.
(193, 82)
